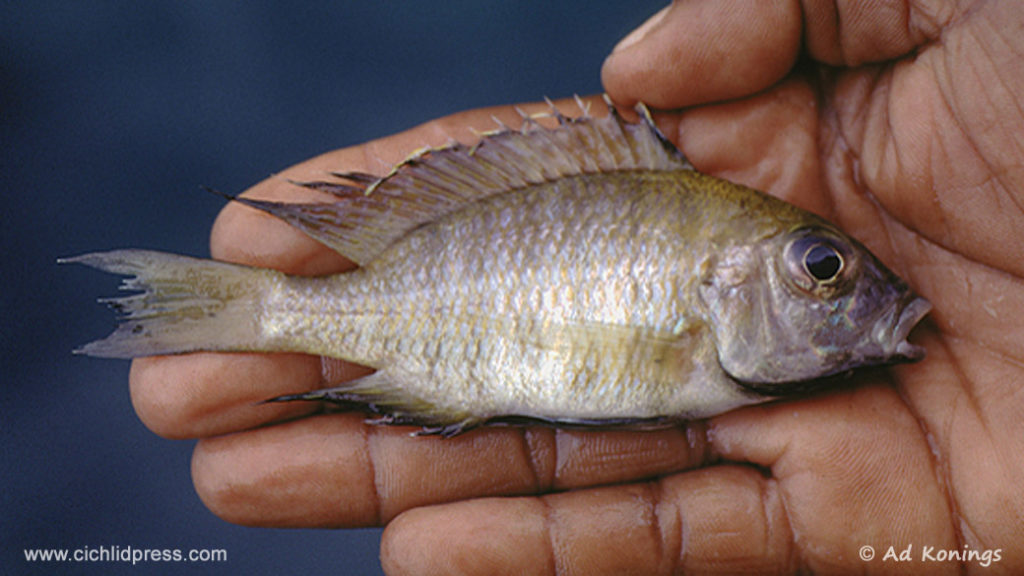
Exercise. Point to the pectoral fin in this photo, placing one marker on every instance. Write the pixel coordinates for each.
(663, 354)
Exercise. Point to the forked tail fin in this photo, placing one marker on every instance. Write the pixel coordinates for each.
(184, 305)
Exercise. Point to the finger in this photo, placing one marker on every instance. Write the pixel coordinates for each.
(727, 519)
(323, 470)
(209, 394)
(851, 33)
(708, 50)
(768, 142)
(832, 475)
(197, 395)
(704, 51)
(206, 394)
(861, 452)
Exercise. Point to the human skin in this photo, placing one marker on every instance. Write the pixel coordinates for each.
(902, 123)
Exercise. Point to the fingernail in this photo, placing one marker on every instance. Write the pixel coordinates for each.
(641, 31)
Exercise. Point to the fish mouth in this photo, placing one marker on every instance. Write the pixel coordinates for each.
(892, 330)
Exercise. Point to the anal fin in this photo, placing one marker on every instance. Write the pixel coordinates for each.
(384, 394)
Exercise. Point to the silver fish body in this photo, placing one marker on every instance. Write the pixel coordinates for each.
(584, 275)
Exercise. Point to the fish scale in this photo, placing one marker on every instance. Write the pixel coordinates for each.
(584, 275)
(551, 344)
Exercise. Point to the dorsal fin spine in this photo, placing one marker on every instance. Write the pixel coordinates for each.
(361, 178)
(373, 213)
(623, 133)
(583, 106)
(336, 189)
(668, 148)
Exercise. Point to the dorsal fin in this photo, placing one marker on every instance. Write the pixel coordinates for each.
(371, 215)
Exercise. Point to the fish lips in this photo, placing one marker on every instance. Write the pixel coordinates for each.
(892, 329)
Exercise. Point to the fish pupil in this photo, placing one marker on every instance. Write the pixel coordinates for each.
(823, 262)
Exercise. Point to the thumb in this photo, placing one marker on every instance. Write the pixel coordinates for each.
(699, 51)
(702, 51)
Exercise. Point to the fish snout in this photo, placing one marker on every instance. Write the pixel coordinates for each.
(892, 329)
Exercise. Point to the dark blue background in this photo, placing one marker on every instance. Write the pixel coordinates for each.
(112, 115)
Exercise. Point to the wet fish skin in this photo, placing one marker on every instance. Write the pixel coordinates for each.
(587, 318)
(585, 275)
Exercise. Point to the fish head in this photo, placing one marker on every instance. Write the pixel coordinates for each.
(805, 304)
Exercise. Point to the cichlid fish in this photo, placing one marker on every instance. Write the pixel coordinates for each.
(580, 275)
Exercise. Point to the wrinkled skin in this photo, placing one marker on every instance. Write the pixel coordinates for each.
(902, 124)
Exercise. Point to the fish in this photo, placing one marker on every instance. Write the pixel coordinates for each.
(580, 274)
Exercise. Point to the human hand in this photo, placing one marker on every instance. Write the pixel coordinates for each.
(917, 153)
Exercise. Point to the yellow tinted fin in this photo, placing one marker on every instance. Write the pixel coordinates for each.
(370, 215)
(183, 304)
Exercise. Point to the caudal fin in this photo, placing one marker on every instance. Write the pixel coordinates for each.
(184, 305)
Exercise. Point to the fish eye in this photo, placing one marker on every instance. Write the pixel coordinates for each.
(823, 262)
(816, 260)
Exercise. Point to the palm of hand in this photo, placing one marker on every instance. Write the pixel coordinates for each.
(925, 168)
